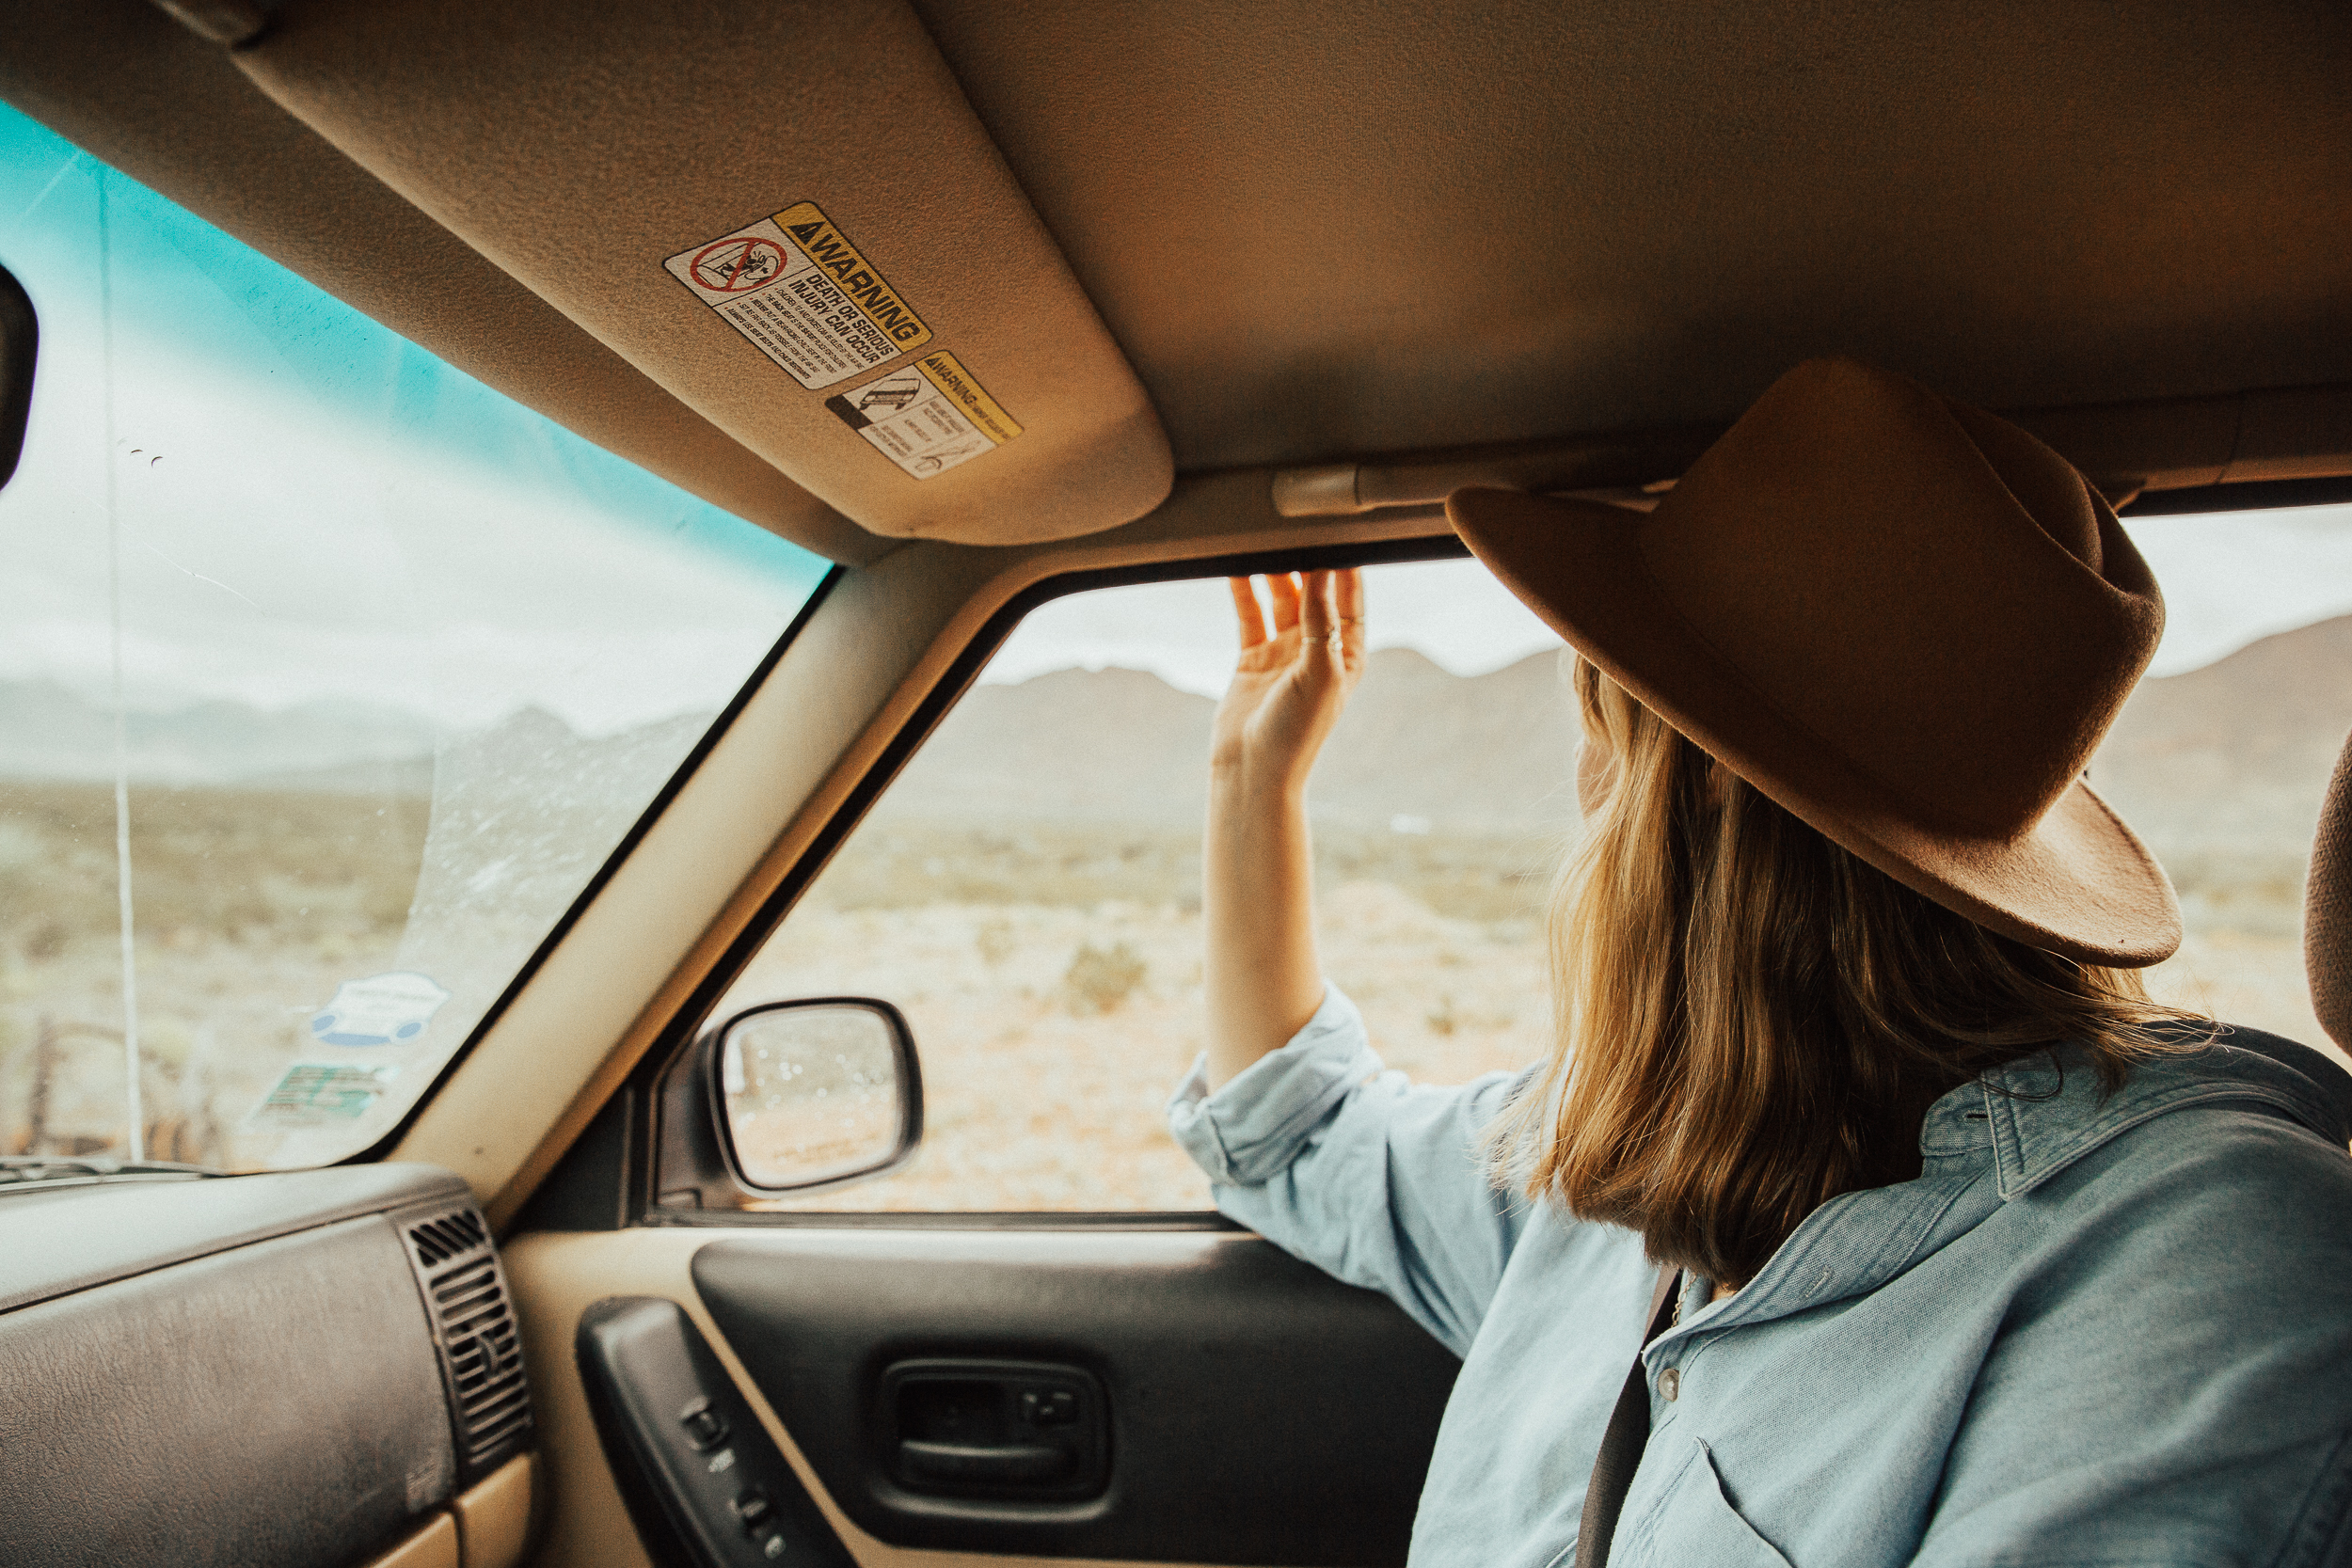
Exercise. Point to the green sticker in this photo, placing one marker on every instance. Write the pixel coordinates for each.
(320, 1094)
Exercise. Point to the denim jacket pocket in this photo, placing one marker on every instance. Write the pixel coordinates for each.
(1695, 1523)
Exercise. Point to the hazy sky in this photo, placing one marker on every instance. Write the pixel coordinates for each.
(306, 508)
(2228, 580)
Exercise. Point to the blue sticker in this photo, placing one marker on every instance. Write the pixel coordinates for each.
(382, 1010)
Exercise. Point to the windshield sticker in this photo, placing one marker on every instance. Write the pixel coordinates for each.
(801, 293)
(382, 1010)
(927, 418)
(321, 1094)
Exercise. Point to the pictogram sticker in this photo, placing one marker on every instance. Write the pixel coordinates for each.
(799, 292)
(927, 418)
(737, 266)
(382, 1010)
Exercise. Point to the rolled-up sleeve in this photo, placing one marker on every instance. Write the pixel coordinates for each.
(1376, 1180)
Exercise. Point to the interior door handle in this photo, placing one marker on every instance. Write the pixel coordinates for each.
(994, 1464)
(1010, 1432)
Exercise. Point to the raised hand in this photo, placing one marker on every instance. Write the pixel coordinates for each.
(1290, 680)
(1263, 978)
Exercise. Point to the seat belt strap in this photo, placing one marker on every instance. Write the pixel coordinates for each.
(1627, 1435)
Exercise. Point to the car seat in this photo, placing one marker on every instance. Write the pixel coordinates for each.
(2328, 908)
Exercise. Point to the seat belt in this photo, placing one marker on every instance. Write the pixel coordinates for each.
(1627, 1435)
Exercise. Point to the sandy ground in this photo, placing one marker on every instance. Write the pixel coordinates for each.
(1045, 1075)
(1040, 1101)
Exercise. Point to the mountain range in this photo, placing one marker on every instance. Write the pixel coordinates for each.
(2235, 755)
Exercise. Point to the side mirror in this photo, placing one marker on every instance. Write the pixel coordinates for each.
(788, 1096)
(812, 1093)
(20, 340)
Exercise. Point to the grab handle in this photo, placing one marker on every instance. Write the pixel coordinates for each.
(1011, 1464)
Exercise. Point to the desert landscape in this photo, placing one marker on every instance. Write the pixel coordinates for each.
(1027, 893)
(275, 856)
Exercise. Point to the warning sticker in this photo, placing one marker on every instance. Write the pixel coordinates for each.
(803, 295)
(927, 418)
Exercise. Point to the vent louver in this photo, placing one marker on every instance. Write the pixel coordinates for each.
(437, 1241)
(481, 1352)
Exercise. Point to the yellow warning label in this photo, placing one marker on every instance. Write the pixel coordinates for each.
(943, 373)
(799, 292)
(855, 277)
(927, 416)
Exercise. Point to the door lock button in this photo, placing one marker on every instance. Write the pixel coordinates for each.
(704, 1427)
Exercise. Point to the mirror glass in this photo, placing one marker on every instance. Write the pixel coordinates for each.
(813, 1091)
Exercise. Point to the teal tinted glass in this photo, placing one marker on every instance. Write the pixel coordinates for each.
(329, 677)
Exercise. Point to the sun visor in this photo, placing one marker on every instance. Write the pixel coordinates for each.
(786, 215)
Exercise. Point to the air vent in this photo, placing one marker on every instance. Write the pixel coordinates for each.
(438, 1240)
(481, 1352)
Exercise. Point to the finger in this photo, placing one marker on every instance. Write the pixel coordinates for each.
(1317, 608)
(1249, 612)
(1349, 592)
(1283, 589)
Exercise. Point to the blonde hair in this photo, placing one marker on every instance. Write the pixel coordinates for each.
(1751, 1021)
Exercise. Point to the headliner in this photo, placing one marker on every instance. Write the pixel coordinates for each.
(1326, 230)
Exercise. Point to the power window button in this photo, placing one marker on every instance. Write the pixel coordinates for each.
(755, 1512)
(704, 1427)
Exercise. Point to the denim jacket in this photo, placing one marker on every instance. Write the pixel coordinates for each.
(2097, 1329)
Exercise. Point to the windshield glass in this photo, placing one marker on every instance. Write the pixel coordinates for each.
(328, 679)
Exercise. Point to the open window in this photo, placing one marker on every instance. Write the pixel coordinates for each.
(1026, 890)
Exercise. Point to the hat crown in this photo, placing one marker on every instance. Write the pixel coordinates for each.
(1937, 598)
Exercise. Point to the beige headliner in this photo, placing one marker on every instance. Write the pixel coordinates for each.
(1324, 229)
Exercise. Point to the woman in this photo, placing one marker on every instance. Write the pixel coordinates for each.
(1971, 1253)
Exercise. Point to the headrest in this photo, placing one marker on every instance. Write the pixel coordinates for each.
(2328, 908)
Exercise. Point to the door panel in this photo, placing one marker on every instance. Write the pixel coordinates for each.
(1256, 1411)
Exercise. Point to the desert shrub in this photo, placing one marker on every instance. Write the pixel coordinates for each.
(995, 939)
(1100, 979)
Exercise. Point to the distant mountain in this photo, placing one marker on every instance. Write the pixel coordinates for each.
(2232, 756)
(2235, 754)
(1104, 744)
(1496, 750)
(50, 732)
(1415, 743)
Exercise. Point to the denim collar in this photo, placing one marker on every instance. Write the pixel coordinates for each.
(1998, 1137)
(2049, 1110)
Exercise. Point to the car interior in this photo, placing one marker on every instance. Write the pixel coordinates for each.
(670, 1207)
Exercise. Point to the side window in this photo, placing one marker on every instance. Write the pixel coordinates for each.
(2222, 757)
(1028, 890)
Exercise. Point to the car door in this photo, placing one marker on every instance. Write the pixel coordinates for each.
(1036, 1339)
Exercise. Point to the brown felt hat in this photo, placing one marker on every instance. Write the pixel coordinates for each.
(1906, 621)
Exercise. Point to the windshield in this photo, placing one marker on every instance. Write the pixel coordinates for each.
(328, 679)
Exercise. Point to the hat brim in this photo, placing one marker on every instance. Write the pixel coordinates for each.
(2080, 882)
